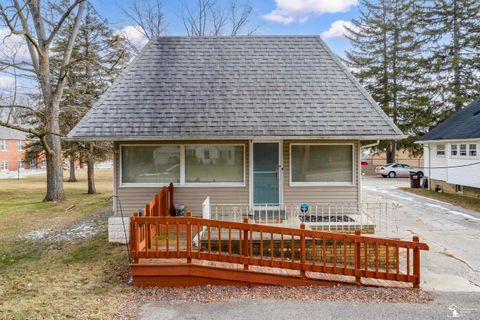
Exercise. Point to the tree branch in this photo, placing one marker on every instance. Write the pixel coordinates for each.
(60, 22)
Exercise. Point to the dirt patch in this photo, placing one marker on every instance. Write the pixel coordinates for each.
(81, 230)
(209, 294)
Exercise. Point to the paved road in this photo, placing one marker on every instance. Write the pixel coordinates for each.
(453, 234)
(451, 269)
(289, 310)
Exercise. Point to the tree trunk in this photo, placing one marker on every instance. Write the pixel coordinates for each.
(392, 152)
(90, 173)
(54, 170)
(72, 177)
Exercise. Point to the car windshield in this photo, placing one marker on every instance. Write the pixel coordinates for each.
(389, 164)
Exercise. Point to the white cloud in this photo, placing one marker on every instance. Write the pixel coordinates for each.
(134, 36)
(337, 29)
(7, 82)
(289, 11)
(11, 45)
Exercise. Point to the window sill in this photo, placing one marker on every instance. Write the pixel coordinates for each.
(186, 185)
(322, 184)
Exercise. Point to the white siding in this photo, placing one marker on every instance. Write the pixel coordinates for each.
(435, 166)
(466, 176)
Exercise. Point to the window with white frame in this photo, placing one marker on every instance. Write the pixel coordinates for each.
(20, 145)
(4, 145)
(21, 164)
(150, 164)
(463, 150)
(453, 150)
(189, 165)
(44, 163)
(440, 150)
(33, 163)
(4, 165)
(214, 163)
(312, 164)
(472, 150)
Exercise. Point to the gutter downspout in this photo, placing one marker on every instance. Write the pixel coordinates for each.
(370, 145)
(360, 168)
(429, 167)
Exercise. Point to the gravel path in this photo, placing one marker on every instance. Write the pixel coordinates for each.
(216, 294)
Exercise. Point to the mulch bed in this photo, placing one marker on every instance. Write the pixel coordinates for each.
(210, 294)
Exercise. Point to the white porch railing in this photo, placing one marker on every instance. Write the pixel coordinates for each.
(382, 217)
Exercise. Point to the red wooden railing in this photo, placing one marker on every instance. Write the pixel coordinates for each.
(249, 244)
(160, 206)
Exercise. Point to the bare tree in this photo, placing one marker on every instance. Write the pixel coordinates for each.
(214, 18)
(39, 23)
(148, 16)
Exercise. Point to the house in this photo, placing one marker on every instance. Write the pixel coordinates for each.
(255, 121)
(12, 151)
(452, 152)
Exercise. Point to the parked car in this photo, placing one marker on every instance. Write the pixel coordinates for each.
(393, 170)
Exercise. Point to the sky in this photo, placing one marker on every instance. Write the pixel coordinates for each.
(273, 17)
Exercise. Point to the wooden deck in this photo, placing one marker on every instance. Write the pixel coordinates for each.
(184, 251)
(180, 273)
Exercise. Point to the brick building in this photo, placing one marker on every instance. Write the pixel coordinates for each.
(12, 151)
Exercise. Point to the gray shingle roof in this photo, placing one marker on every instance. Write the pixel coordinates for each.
(217, 87)
(464, 124)
(12, 134)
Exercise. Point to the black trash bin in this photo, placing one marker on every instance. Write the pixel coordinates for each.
(414, 180)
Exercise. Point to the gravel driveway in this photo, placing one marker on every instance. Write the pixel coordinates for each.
(450, 270)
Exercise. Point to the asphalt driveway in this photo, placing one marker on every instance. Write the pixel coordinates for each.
(453, 234)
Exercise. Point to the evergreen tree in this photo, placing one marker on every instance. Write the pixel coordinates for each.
(387, 58)
(97, 57)
(453, 30)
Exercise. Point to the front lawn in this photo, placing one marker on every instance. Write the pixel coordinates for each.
(455, 199)
(49, 267)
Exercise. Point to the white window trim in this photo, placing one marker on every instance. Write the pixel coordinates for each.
(4, 145)
(326, 183)
(467, 156)
(20, 145)
(4, 165)
(444, 150)
(182, 183)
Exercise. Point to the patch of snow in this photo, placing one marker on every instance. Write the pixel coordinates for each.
(80, 231)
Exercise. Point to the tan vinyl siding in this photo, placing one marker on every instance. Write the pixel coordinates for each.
(134, 198)
(319, 194)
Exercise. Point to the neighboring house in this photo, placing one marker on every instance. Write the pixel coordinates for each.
(452, 152)
(258, 121)
(12, 151)
(372, 159)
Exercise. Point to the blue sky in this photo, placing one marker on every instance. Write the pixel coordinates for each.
(299, 17)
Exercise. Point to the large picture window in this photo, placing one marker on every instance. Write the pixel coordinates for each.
(150, 164)
(321, 164)
(214, 164)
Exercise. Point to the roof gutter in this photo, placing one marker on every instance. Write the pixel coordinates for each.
(180, 138)
(370, 145)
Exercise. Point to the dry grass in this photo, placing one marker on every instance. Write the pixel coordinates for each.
(45, 279)
(455, 199)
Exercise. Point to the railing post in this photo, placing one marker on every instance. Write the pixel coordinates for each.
(136, 232)
(416, 262)
(170, 207)
(157, 204)
(189, 238)
(245, 246)
(358, 279)
(302, 251)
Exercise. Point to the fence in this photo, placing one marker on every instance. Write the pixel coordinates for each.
(320, 216)
(251, 244)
